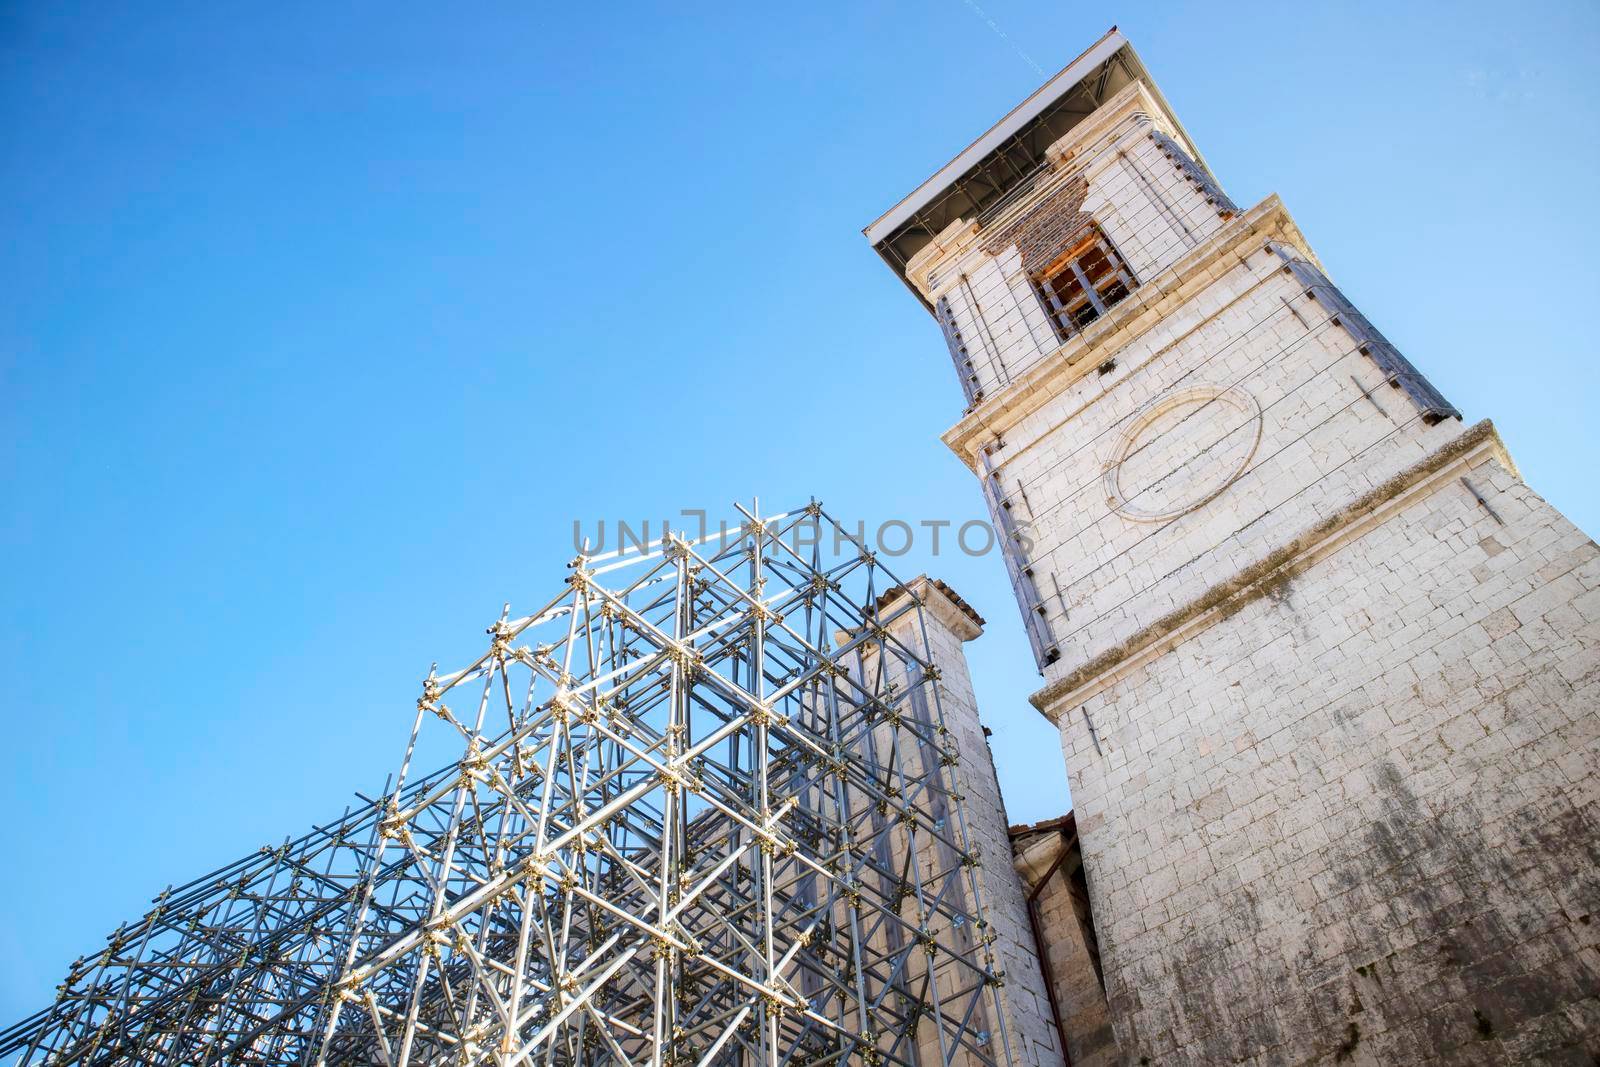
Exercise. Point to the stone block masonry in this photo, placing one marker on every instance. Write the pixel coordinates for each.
(950, 623)
(1327, 672)
(1355, 815)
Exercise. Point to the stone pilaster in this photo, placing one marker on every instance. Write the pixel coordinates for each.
(948, 623)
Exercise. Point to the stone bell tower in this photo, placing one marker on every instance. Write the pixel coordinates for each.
(1327, 672)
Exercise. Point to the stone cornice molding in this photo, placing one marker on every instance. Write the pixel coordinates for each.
(1226, 598)
(943, 603)
(1125, 323)
(1079, 148)
(951, 243)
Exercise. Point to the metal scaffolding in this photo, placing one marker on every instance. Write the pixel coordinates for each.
(706, 811)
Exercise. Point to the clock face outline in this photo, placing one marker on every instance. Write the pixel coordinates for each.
(1245, 425)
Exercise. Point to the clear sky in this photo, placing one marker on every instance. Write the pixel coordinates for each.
(320, 324)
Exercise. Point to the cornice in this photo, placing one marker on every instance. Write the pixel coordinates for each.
(1077, 146)
(951, 243)
(1156, 298)
(947, 606)
(1224, 599)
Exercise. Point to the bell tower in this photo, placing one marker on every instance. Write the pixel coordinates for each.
(1325, 668)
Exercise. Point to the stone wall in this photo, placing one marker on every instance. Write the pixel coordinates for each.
(1355, 816)
(1330, 717)
(1326, 670)
(1050, 864)
(949, 623)
(1115, 172)
(1231, 383)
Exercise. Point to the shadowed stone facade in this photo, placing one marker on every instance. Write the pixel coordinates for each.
(948, 623)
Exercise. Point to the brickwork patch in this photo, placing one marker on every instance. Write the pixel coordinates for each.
(1047, 228)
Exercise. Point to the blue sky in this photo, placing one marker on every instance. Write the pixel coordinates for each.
(320, 324)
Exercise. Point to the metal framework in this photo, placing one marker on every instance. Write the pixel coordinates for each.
(705, 811)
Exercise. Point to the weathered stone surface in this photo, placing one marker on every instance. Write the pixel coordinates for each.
(1051, 867)
(1330, 709)
(948, 624)
(1352, 797)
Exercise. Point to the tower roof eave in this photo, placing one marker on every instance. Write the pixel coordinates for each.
(1009, 154)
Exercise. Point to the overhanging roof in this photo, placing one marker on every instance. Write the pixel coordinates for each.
(1008, 157)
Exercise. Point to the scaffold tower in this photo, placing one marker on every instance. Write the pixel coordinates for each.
(700, 807)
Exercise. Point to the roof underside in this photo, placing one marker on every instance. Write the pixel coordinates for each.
(1003, 164)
